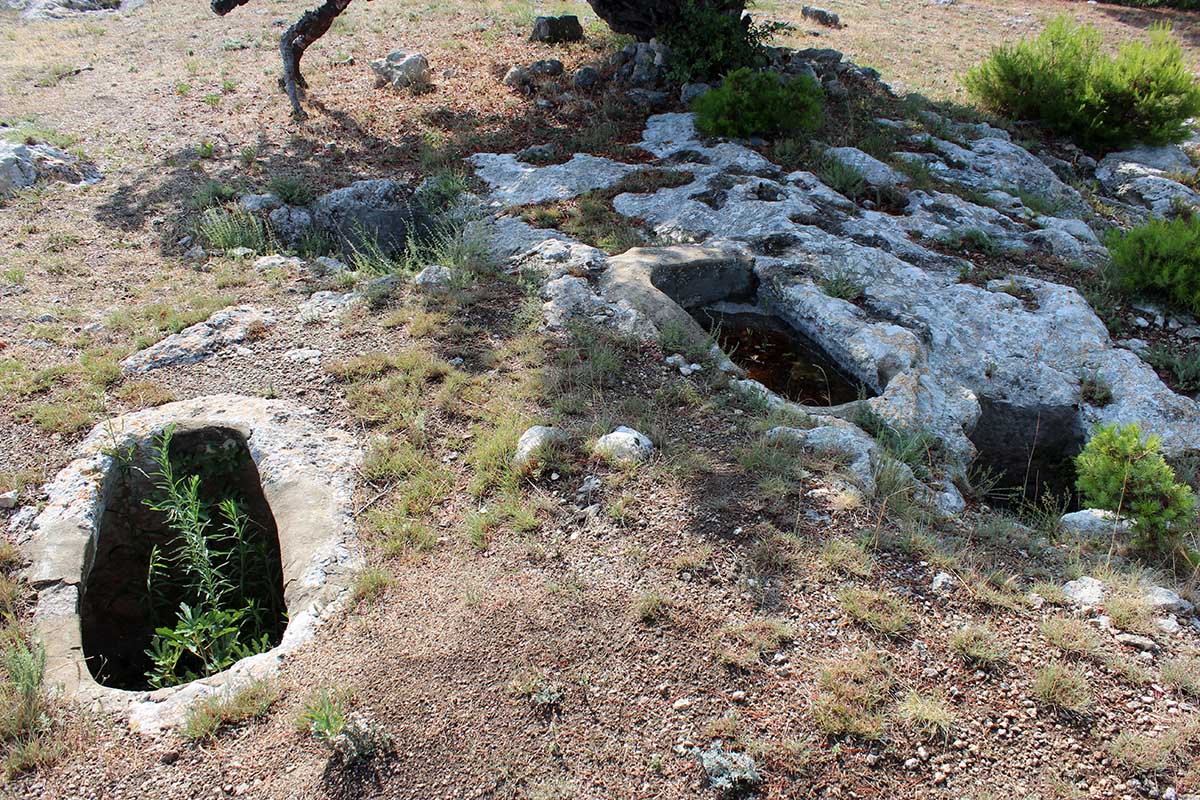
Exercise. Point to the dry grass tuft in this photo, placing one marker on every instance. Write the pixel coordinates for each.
(851, 695)
(979, 646)
(882, 613)
(1063, 688)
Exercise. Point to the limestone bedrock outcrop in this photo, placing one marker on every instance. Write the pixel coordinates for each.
(307, 473)
(23, 165)
(516, 183)
(993, 369)
(199, 342)
(1148, 176)
(660, 282)
(381, 211)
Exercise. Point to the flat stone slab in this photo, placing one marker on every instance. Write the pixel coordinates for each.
(225, 328)
(307, 472)
(515, 183)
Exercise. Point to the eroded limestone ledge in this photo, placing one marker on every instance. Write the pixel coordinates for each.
(307, 473)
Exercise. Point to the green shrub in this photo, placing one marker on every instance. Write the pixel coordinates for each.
(1064, 79)
(1161, 256)
(751, 103)
(1120, 471)
(292, 191)
(215, 592)
(231, 227)
(212, 193)
(706, 42)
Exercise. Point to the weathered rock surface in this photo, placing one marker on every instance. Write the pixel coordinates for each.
(23, 165)
(326, 304)
(381, 210)
(515, 183)
(230, 326)
(553, 30)
(434, 278)
(400, 69)
(649, 279)
(64, 9)
(874, 172)
(291, 223)
(1166, 601)
(1146, 176)
(1091, 523)
(534, 441)
(1085, 592)
(989, 369)
(841, 440)
(624, 446)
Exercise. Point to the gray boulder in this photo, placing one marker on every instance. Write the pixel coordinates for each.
(821, 16)
(1084, 592)
(624, 446)
(401, 68)
(1092, 523)
(1166, 601)
(434, 278)
(517, 78)
(553, 30)
(258, 203)
(876, 173)
(546, 67)
(1145, 176)
(291, 224)
(381, 210)
(586, 78)
(690, 92)
(23, 165)
(533, 441)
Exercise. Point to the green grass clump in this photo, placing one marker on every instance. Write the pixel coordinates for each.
(1061, 687)
(1072, 636)
(230, 227)
(212, 193)
(757, 104)
(209, 716)
(324, 714)
(292, 191)
(1066, 80)
(851, 696)
(1161, 257)
(1121, 471)
(979, 646)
